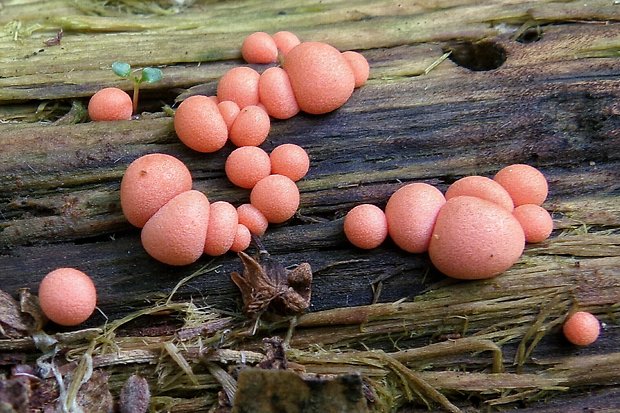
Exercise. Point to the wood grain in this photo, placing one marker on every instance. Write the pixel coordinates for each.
(554, 103)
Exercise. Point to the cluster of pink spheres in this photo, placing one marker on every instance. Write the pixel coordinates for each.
(180, 224)
(476, 230)
(315, 78)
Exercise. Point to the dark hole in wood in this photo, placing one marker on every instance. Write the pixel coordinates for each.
(531, 35)
(480, 56)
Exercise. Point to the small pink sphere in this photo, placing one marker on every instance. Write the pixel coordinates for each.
(365, 226)
(243, 237)
(277, 197)
(475, 239)
(149, 183)
(247, 165)
(581, 328)
(276, 94)
(290, 160)
(259, 47)
(239, 84)
(536, 222)
(411, 213)
(199, 124)
(524, 183)
(481, 187)
(285, 41)
(321, 78)
(251, 127)
(229, 111)
(359, 65)
(222, 228)
(252, 218)
(67, 296)
(176, 234)
(110, 104)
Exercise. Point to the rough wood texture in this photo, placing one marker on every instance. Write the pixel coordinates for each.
(554, 103)
(284, 391)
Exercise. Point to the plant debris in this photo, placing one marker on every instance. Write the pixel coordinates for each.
(322, 345)
(54, 41)
(25, 392)
(135, 395)
(275, 355)
(267, 285)
(94, 395)
(273, 391)
(13, 322)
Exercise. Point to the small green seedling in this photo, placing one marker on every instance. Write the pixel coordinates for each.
(147, 74)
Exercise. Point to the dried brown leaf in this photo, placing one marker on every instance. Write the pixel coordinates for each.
(14, 395)
(44, 396)
(275, 355)
(29, 304)
(12, 322)
(266, 284)
(94, 396)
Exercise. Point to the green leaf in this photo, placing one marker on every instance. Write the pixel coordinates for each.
(121, 69)
(151, 75)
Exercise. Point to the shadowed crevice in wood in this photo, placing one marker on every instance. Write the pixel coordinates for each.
(479, 56)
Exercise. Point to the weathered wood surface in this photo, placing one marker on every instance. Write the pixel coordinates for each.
(554, 103)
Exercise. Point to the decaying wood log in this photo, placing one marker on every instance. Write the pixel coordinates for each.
(546, 91)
